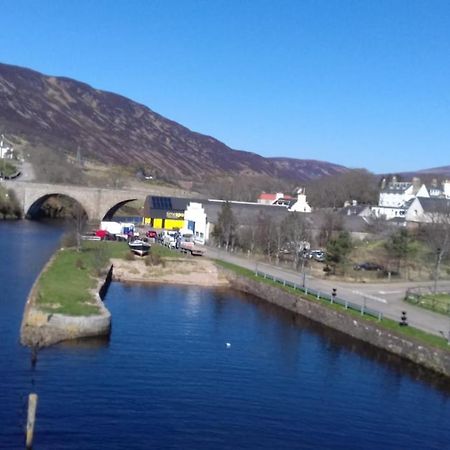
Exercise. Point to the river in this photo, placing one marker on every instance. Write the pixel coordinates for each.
(166, 378)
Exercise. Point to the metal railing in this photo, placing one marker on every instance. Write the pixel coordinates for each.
(333, 299)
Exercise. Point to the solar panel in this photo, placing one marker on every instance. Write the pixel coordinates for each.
(164, 203)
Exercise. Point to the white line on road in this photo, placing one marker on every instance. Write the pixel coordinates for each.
(390, 292)
(371, 297)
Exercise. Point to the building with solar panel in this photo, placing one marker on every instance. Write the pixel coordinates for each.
(165, 212)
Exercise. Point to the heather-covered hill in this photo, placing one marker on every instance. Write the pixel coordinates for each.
(63, 115)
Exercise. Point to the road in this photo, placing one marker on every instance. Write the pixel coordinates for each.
(386, 297)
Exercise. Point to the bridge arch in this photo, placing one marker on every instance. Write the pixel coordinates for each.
(33, 210)
(108, 214)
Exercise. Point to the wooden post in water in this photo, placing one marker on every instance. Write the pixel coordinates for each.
(32, 405)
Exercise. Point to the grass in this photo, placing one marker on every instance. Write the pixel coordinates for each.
(439, 303)
(66, 286)
(388, 324)
(7, 168)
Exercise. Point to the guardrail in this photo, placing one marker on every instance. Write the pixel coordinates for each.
(332, 298)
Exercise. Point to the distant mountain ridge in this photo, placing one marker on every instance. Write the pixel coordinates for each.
(63, 114)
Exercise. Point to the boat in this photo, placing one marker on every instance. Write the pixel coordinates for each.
(139, 247)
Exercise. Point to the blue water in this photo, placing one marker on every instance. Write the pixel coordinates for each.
(166, 378)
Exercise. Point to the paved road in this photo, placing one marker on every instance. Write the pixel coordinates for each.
(386, 297)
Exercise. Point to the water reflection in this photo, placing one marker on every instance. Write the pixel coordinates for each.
(336, 342)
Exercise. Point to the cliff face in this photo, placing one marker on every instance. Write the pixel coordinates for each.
(63, 114)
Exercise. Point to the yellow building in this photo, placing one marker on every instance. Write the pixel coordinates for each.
(165, 212)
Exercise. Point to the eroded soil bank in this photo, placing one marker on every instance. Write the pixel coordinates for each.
(188, 271)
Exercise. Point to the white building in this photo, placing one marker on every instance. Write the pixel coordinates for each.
(396, 196)
(300, 205)
(196, 221)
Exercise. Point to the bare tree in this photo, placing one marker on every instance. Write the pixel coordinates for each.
(298, 235)
(265, 238)
(225, 230)
(331, 222)
(437, 232)
(333, 191)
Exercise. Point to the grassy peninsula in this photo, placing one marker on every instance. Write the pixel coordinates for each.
(68, 285)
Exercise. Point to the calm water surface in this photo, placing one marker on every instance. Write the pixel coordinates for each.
(167, 380)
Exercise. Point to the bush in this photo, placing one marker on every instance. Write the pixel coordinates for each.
(69, 239)
(154, 259)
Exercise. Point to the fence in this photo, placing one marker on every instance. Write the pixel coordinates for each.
(425, 297)
(332, 298)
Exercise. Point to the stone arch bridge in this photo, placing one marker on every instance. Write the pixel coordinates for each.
(99, 204)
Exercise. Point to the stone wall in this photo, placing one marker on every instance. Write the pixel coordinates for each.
(435, 359)
(41, 329)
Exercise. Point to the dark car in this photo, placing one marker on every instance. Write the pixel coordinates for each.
(368, 266)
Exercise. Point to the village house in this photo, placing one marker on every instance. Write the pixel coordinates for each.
(294, 204)
(395, 197)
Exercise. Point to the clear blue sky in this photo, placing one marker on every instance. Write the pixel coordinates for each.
(358, 83)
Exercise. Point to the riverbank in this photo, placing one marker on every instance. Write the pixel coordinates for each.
(383, 336)
(186, 271)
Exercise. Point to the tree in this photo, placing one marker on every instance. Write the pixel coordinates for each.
(399, 246)
(225, 230)
(437, 233)
(297, 235)
(338, 250)
(331, 222)
(265, 234)
(333, 191)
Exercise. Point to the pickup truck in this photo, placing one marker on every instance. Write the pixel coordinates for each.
(187, 245)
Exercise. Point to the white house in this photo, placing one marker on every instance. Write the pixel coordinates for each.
(427, 210)
(446, 188)
(395, 197)
(196, 221)
(300, 205)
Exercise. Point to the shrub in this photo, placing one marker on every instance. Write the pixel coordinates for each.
(153, 259)
(69, 239)
(130, 256)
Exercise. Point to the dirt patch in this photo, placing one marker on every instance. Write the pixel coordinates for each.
(192, 271)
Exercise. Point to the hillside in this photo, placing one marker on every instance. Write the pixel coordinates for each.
(63, 115)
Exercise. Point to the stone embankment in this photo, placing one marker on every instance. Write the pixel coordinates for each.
(433, 358)
(41, 329)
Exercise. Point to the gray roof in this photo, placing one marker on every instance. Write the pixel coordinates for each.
(396, 188)
(353, 210)
(245, 213)
(431, 205)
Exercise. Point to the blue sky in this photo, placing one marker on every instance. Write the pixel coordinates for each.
(358, 83)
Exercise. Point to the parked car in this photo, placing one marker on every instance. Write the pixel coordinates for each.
(368, 266)
(170, 240)
(151, 234)
(317, 255)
